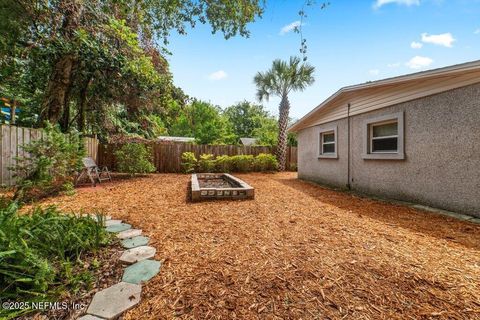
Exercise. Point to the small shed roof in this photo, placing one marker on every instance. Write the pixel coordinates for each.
(176, 139)
(248, 141)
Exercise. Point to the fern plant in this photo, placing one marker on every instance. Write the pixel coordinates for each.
(41, 252)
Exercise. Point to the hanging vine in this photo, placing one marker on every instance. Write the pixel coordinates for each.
(299, 29)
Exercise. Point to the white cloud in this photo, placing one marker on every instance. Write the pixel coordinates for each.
(374, 72)
(416, 45)
(394, 65)
(408, 3)
(477, 31)
(419, 62)
(218, 75)
(444, 39)
(290, 27)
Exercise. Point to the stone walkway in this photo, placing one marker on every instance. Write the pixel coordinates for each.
(112, 302)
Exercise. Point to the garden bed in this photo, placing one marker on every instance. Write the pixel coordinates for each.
(296, 251)
(210, 186)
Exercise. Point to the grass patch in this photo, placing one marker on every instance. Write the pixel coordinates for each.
(41, 254)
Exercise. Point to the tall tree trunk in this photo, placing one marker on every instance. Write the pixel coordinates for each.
(57, 89)
(65, 123)
(61, 76)
(133, 102)
(13, 111)
(282, 132)
(82, 106)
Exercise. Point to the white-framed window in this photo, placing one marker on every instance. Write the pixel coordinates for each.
(327, 143)
(383, 138)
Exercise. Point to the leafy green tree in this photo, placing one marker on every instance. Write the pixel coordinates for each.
(282, 78)
(292, 139)
(203, 121)
(266, 133)
(72, 60)
(245, 117)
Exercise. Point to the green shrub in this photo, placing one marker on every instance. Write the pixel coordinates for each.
(293, 167)
(54, 160)
(41, 252)
(265, 162)
(206, 163)
(189, 162)
(238, 163)
(134, 158)
(69, 188)
(242, 163)
(223, 164)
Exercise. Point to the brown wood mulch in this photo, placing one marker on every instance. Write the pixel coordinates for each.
(298, 251)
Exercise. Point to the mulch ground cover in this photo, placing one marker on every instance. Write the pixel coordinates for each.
(298, 251)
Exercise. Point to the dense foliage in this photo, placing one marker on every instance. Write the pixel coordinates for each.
(239, 163)
(246, 118)
(51, 165)
(189, 162)
(134, 158)
(41, 254)
(206, 163)
(209, 124)
(96, 65)
(205, 123)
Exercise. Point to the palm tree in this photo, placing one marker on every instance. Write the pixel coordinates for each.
(282, 78)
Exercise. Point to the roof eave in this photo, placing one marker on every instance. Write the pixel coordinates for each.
(389, 81)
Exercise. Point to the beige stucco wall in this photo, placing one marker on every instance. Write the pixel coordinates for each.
(442, 154)
(326, 171)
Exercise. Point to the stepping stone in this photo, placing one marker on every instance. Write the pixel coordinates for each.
(112, 222)
(135, 242)
(129, 233)
(115, 300)
(141, 271)
(89, 317)
(118, 227)
(138, 254)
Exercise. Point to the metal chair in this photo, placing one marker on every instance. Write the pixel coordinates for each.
(93, 172)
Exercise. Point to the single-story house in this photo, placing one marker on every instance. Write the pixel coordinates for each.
(414, 137)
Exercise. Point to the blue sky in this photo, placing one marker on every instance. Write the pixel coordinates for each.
(350, 42)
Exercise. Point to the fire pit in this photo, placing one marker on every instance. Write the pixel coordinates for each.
(209, 186)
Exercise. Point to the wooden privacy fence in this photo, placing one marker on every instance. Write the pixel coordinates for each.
(167, 157)
(11, 140)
